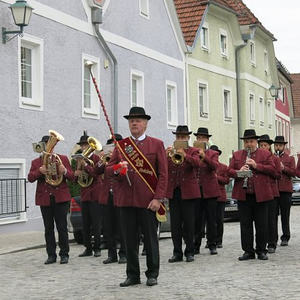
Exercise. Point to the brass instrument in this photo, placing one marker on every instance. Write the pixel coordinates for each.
(107, 149)
(178, 158)
(201, 145)
(84, 179)
(51, 160)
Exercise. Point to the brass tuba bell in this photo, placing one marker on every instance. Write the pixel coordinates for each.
(85, 180)
(51, 160)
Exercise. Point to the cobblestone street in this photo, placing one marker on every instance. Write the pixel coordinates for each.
(24, 276)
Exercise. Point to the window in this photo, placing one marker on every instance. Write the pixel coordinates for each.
(269, 110)
(204, 37)
(203, 100)
(252, 53)
(227, 105)
(31, 72)
(144, 8)
(137, 88)
(171, 96)
(281, 93)
(223, 43)
(266, 61)
(252, 109)
(261, 111)
(90, 102)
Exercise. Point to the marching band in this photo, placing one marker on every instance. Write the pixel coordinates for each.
(129, 183)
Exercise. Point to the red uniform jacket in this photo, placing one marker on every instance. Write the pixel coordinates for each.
(261, 175)
(298, 168)
(285, 182)
(184, 176)
(138, 194)
(44, 190)
(223, 179)
(206, 174)
(90, 193)
(276, 176)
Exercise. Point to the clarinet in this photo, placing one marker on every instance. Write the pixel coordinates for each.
(245, 184)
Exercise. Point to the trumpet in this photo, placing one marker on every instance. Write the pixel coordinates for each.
(176, 157)
(201, 145)
(107, 149)
(84, 179)
(52, 160)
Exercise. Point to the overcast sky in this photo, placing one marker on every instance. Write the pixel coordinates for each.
(282, 18)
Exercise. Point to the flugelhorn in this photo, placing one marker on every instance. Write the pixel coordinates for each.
(201, 145)
(51, 160)
(176, 157)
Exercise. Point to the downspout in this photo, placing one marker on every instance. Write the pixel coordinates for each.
(96, 21)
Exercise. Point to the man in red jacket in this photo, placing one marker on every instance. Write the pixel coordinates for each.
(183, 191)
(143, 189)
(285, 186)
(223, 179)
(54, 204)
(90, 208)
(209, 191)
(252, 194)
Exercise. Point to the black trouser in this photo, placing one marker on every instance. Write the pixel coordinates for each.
(272, 223)
(91, 220)
(112, 228)
(182, 213)
(131, 219)
(56, 212)
(285, 201)
(251, 211)
(220, 222)
(206, 208)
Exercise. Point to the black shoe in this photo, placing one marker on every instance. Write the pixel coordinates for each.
(247, 256)
(175, 258)
(97, 253)
(64, 260)
(284, 243)
(219, 246)
(86, 253)
(262, 256)
(190, 258)
(144, 252)
(50, 260)
(197, 251)
(213, 251)
(129, 282)
(151, 281)
(110, 260)
(271, 250)
(122, 260)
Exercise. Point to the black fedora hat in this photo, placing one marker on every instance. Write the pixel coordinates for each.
(137, 112)
(279, 139)
(215, 148)
(83, 138)
(202, 131)
(118, 138)
(265, 138)
(182, 129)
(45, 139)
(249, 134)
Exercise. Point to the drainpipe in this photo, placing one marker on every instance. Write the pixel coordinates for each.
(96, 21)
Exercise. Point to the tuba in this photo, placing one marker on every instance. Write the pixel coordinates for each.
(85, 180)
(51, 160)
(178, 158)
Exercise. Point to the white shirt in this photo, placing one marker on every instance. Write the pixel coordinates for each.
(141, 138)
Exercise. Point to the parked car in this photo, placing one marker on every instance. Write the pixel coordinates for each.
(296, 191)
(231, 207)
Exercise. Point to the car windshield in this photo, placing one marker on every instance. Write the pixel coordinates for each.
(296, 186)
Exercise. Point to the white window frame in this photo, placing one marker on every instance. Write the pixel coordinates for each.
(252, 58)
(261, 111)
(270, 113)
(251, 118)
(174, 113)
(141, 89)
(281, 93)
(147, 13)
(94, 111)
(37, 49)
(229, 90)
(223, 32)
(203, 46)
(205, 115)
(266, 61)
(14, 163)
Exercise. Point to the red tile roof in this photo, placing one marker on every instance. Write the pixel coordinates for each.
(296, 94)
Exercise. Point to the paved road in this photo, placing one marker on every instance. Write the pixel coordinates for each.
(24, 276)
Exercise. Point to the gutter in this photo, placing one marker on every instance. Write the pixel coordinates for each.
(96, 21)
